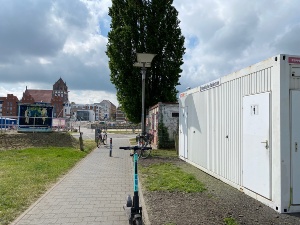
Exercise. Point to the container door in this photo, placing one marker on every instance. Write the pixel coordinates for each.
(256, 144)
(183, 132)
(295, 147)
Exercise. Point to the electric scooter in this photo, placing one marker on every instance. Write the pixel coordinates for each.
(132, 207)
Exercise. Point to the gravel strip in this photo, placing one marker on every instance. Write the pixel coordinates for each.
(218, 202)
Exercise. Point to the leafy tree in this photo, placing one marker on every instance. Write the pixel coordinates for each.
(149, 26)
(163, 136)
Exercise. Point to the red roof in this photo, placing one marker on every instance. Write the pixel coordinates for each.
(41, 95)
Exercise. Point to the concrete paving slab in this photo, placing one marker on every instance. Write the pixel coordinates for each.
(93, 192)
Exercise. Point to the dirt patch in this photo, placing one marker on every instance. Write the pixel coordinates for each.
(27, 140)
(212, 206)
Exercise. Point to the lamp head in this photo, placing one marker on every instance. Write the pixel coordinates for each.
(144, 59)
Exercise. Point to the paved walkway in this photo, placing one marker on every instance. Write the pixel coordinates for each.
(94, 192)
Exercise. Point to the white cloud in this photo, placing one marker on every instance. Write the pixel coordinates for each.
(52, 39)
(222, 37)
(55, 39)
(44, 61)
(90, 97)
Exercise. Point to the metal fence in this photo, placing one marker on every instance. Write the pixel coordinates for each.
(47, 124)
(32, 124)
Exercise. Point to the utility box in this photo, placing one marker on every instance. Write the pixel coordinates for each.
(244, 129)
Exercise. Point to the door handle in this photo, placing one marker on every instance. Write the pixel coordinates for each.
(266, 142)
(296, 147)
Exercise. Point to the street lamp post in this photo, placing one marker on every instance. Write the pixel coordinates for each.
(143, 60)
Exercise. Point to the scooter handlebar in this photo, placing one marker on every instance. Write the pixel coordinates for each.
(135, 148)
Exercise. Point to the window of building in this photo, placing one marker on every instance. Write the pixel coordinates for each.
(175, 114)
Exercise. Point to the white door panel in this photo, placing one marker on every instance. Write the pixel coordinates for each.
(295, 146)
(256, 144)
(183, 133)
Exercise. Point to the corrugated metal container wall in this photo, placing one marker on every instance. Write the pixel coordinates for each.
(215, 123)
(197, 141)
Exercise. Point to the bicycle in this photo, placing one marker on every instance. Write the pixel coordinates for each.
(102, 138)
(143, 141)
(142, 152)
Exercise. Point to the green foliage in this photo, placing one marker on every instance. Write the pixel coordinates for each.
(230, 221)
(139, 26)
(168, 177)
(163, 136)
(26, 174)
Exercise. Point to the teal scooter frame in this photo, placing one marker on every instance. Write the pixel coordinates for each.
(132, 206)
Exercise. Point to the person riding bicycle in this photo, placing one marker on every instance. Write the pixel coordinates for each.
(104, 137)
(99, 138)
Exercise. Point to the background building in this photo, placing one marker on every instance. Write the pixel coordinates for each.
(96, 108)
(108, 110)
(9, 105)
(85, 115)
(120, 115)
(1, 103)
(58, 98)
(60, 89)
(104, 110)
(162, 122)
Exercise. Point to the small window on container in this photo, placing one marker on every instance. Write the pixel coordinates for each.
(175, 114)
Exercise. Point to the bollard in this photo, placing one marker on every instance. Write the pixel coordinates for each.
(81, 141)
(110, 149)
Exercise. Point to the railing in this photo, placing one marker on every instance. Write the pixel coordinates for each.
(32, 124)
(47, 124)
(116, 127)
(8, 124)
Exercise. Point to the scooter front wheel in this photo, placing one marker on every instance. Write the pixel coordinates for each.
(138, 221)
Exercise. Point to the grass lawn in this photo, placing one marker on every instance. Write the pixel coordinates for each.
(164, 153)
(28, 173)
(168, 177)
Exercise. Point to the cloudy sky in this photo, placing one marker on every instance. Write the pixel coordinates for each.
(43, 40)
